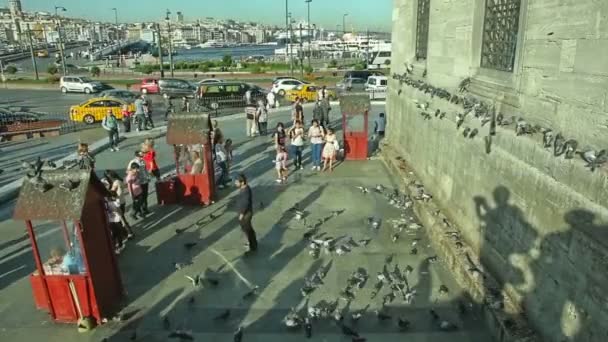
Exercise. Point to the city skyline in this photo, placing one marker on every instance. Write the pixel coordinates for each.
(362, 14)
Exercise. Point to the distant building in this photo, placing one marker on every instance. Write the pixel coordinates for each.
(180, 17)
(15, 8)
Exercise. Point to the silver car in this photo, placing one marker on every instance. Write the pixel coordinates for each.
(79, 84)
(352, 84)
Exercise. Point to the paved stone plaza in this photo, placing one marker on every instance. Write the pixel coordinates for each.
(156, 289)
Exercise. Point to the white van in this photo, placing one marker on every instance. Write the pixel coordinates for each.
(376, 83)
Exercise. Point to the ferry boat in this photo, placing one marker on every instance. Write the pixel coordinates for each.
(212, 44)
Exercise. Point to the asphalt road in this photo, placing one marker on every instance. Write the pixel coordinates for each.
(25, 65)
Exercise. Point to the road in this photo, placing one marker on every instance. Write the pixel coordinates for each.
(26, 65)
(155, 289)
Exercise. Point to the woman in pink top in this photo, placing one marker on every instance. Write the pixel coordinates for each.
(135, 190)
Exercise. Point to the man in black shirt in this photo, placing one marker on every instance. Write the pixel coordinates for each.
(245, 208)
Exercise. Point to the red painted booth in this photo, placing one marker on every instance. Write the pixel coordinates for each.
(355, 110)
(76, 274)
(194, 179)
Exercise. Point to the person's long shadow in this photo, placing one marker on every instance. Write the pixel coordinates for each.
(538, 272)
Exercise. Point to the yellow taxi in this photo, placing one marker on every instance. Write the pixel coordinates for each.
(308, 92)
(42, 53)
(95, 109)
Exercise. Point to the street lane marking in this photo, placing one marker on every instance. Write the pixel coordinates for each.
(249, 284)
(12, 271)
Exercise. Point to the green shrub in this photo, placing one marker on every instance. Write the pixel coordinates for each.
(333, 63)
(203, 68)
(256, 69)
(52, 70)
(359, 66)
(53, 79)
(95, 71)
(11, 69)
(308, 69)
(227, 61)
(193, 66)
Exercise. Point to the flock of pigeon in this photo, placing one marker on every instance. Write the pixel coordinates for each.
(34, 174)
(486, 114)
(390, 284)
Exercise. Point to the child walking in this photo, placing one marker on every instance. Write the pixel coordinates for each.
(135, 190)
(281, 164)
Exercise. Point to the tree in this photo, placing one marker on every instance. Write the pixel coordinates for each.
(333, 63)
(227, 61)
(95, 71)
(52, 70)
(11, 69)
(308, 69)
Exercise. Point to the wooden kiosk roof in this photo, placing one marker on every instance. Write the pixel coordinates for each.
(56, 202)
(188, 128)
(356, 103)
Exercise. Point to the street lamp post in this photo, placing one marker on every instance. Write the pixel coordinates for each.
(160, 51)
(168, 20)
(288, 39)
(301, 54)
(309, 32)
(344, 22)
(290, 46)
(31, 44)
(61, 52)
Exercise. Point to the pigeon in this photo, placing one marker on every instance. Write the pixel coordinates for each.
(395, 237)
(166, 323)
(443, 290)
(182, 335)
(462, 309)
(196, 280)
(211, 281)
(179, 231)
(292, 321)
(447, 326)
(403, 324)
(41, 185)
(570, 148)
(434, 315)
(51, 164)
(69, 185)
(383, 316)
(348, 331)
(459, 120)
(559, 145)
(223, 316)
(347, 295)
(408, 269)
(189, 245)
(377, 288)
(473, 133)
(238, 335)
(307, 327)
(355, 316)
(388, 298)
(414, 251)
(424, 73)
(180, 265)
(251, 293)
(432, 259)
(594, 159)
(409, 295)
(389, 259)
(373, 222)
(341, 250)
(363, 189)
(548, 138)
(464, 85)
(397, 273)
(466, 132)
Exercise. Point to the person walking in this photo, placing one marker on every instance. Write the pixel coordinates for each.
(280, 135)
(250, 111)
(139, 113)
(117, 189)
(136, 191)
(299, 111)
(85, 160)
(296, 137)
(148, 122)
(168, 106)
(110, 124)
(281, 164)
(114, 222)
(126, 117)
(185, 104)
(221, 156)
(380, 126)
(330, 149)
(271, 100)
(325, 107)
(245, 208)
(316, 134)
(144, 179)
(149, 156)
(262, 117)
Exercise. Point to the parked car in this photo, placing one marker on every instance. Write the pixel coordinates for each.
(364, 74)
(176, 88)
(125, 95)
(228, 95)
(352, 84)
(42, 53)
(95, 109)
(11, 118)
(79, 84)
(211, 80)
(308, 92)
(376, 83)
(149, 86)
(283, 85)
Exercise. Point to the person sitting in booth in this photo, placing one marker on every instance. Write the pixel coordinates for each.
(72, 262)
(197, 164)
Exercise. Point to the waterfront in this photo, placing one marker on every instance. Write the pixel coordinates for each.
(237, 53)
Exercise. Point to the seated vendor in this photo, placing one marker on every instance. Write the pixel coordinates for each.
(56, 257)
(73, 263)
(197, 165)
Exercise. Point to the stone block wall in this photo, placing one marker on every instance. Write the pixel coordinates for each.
(539, 223)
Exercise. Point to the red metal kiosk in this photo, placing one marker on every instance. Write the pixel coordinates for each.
(194, 179)
(355, 110)
(81, 279)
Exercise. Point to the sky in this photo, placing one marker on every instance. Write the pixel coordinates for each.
(374, 15)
